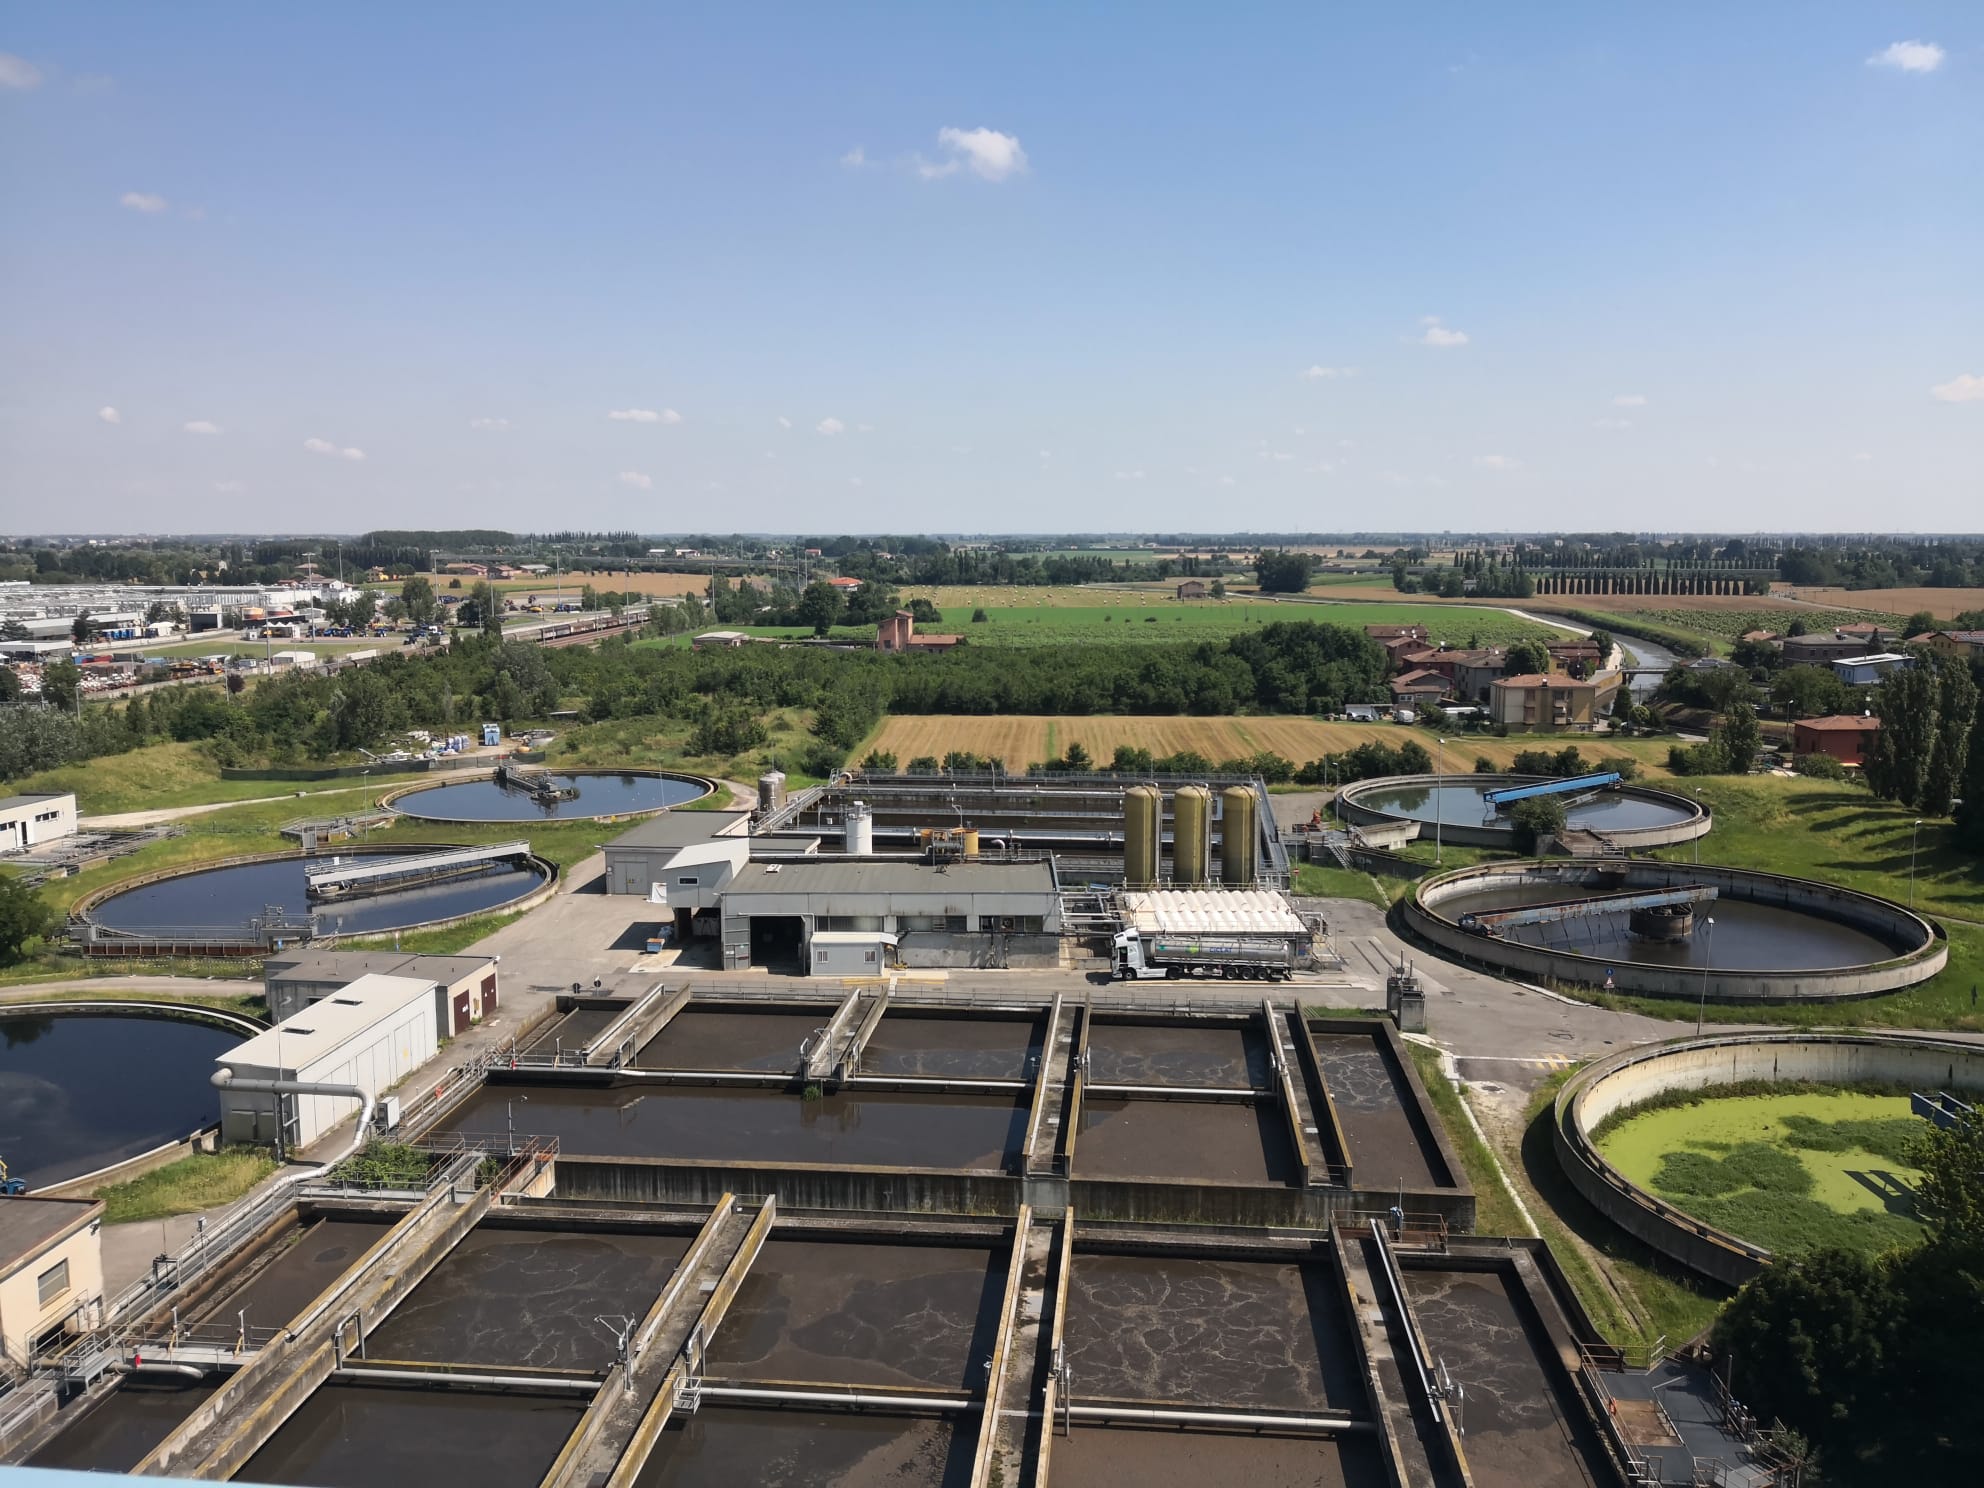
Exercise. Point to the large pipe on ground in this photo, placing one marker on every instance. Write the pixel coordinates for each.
(224, 1079)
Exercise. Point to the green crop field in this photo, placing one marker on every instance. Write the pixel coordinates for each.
(1791, 1172)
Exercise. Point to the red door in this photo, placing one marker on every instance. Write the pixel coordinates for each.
(461, 1013)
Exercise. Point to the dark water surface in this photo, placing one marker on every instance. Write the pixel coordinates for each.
(1184, 1141)
(1461, 804)
(724, 1447)
(1746, 937)
(729, 1039)
(280, 1286)
(225, 898)
(599, 795)
(1373, 1104)
(119, 1432)
(368, 1436)
(1122, 1457)
(855, 1313)
(953, 1048)
(1151, 1054)
(1245, 1334)
(79, 1093)
(716, 1125)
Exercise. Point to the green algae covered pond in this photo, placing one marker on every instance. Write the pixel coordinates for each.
(1792, 1172)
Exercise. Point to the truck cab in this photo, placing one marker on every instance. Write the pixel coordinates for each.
(1131, 963)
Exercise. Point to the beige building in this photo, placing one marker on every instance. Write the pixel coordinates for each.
(303, 978)
(51, 1269)
(1540, 702)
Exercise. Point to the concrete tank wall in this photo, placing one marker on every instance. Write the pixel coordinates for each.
(1641, 1074)
(1469, 834)
(1878, 917)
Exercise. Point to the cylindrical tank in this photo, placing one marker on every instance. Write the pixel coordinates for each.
(1142, 809)
(771, 791)
(860, 829)
(971, 842)
(1191, 811)
(1236, 836)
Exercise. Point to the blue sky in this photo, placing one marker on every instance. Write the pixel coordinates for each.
(1015, 268)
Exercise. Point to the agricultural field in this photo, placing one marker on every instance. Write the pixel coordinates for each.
(1942, 603)
(1788, 1171)
(572, 583)
(1730, 624)
(1030, 739)
(1031, 617)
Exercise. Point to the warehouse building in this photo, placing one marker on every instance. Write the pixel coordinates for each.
(371, 1034)
(51, 1270)
(637, 860)
(957, 914)
(29, 821)
(302, 979)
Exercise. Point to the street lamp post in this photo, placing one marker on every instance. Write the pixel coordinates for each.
(1438, 810)
(1708, 951)
(1914, 835)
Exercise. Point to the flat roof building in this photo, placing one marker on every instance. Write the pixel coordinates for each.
(371, 1034)
(298, 981)
(957, 914)
(51, 1269)
(638, 858)
(29, 821)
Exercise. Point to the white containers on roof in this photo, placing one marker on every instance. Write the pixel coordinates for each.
(860, 830)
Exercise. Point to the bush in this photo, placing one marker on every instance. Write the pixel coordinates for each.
(1625, 767)
(1535, 819)
(1820, 766)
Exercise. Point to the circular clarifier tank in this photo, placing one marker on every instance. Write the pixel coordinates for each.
(565, 795)
(80, 1091)
(1458, 805)
(227, 898)
(1678, 930)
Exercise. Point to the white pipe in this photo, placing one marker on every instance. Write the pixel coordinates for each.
(223, 1079)
(835, 1397)
(451, 1377)
(191, 1371)
(1328, 1425)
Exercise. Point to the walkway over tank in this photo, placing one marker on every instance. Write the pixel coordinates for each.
(1576, 783)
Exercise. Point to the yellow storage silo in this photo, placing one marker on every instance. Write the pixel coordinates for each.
(1142, 811)
(1236, 836)
(1191, 812)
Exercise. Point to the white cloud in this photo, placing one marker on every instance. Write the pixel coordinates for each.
(229, 488)
(201, 426)
(1909, 56)
(18, 72)
(325, 447)
(986, 153)
(109, 415)
(1227, 480)
(855, 480)
(784, 422)
(1630, 400)
(1320, 373)
(1496, 462)
(830, 427)
(1047, 454)
(1965, 387)
(1439, 335)
(636, 479)
(1128, 475)
(646, 415)
(854, 159)
(143, 201)
(489, 423)
(1611, 423)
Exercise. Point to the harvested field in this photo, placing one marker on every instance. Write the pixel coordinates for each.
(639, 583)
(1024, 740)
(1942, 603)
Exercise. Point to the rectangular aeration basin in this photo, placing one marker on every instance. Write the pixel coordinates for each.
(1185, 1141)
(935, 1046)
(1203, 1056)
(367, 1436)
(723, 1447)
(732, 1039)
(1121, 1457)
(752, 1125)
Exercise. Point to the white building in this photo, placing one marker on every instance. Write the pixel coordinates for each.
(29, 821)
(372, 1034)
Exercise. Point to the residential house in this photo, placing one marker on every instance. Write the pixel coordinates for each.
(846, 585)
(1579, 658)
(1475, 670)
(1819, 650)
(1951, 642)
(1397, 648)
(1871, 635)
(1418, 688)
(1383, 633)
(1844, 736)
(1194, 589)
(1543, 701)
(898, 633)
(711, 640)
(1865, 671)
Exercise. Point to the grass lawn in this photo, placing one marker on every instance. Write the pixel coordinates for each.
(1495, 1211)
(164, 775)
(1791, 1172)
(201, 1181)
(1329, 882)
